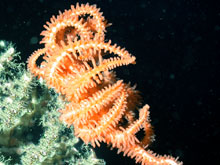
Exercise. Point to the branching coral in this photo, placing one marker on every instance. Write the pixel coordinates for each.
(30, 132)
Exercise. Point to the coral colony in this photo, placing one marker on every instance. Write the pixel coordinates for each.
(30, 130)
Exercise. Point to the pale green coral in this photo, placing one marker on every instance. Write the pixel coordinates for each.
(30, 130)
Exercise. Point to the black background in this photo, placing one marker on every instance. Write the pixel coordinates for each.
(176, 43)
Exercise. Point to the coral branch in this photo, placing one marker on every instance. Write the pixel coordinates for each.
(30, 129)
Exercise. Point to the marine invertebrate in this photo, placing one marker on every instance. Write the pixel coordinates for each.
(101, 107)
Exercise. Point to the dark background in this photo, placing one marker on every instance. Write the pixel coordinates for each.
(176, 43)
